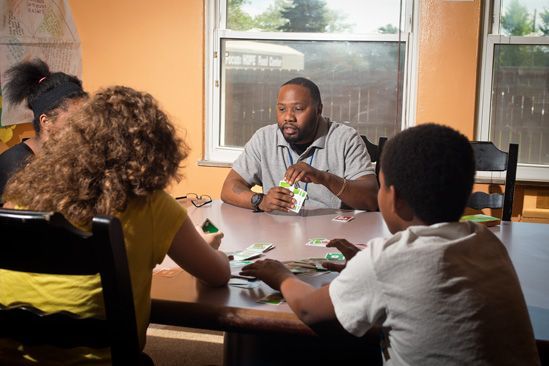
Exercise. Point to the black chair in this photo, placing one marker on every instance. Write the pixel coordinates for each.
(44, 242)
(489, 158)
(374, 150)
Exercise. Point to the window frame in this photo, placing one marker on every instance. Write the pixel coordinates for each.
(215, 31)
(492, 38)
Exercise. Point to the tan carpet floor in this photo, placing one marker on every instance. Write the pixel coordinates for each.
(175, 346)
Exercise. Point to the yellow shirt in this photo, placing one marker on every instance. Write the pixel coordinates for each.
(149, 225)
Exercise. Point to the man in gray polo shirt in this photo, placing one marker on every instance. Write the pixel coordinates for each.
(327, 159)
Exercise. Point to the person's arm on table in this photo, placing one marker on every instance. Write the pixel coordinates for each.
(360, 193)
(348, 249)
(197, 254)
(311, 305)
(237, 191)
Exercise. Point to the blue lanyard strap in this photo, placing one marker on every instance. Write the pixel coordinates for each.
(310, 163)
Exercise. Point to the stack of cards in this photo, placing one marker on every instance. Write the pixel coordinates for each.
(236, 267)
(299, 195)
(306, 265)
(298, 267)
(253, 251)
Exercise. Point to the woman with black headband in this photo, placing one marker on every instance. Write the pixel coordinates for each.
(52, 97)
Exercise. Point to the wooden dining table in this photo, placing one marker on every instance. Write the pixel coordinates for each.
(258, 333)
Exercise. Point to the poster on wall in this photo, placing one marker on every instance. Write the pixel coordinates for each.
(36, 29)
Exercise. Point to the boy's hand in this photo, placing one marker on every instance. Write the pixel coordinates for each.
(270, 271)
(213, 239)
(346, 248)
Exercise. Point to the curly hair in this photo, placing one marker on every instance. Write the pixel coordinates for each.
(432, 167)
(119, 146)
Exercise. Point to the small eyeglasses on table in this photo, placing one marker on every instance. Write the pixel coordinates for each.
(198, 200)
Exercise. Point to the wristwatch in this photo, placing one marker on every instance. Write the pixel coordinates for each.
(256, 201)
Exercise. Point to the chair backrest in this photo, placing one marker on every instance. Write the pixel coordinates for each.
(44, 242)
(489, 158)
(374, 150)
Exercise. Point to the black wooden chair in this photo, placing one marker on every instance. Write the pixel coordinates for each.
(375, 150)
(44, 242)
(489, 158)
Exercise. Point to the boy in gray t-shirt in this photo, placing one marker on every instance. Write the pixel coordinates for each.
(443, 292)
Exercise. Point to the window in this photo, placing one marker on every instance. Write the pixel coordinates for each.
(358, 52)
(514, 97)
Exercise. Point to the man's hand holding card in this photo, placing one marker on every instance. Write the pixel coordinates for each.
(303, 172)
(298, 194)
(285, 197)
(277, 199)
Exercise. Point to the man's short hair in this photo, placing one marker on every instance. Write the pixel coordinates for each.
(306, 83)
(432, 168)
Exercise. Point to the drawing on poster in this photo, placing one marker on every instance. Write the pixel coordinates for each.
(37, 29)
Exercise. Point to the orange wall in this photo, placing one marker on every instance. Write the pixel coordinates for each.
(448, 57)
(159, 47)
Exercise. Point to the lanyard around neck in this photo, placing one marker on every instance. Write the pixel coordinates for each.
(310, 162)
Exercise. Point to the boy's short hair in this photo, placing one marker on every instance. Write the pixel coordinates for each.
(432, 168)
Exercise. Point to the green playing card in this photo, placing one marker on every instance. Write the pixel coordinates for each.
(334, 257)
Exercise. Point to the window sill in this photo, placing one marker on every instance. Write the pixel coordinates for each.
(521, 182)
(214, 164)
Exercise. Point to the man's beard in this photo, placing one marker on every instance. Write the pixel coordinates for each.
(294, 138)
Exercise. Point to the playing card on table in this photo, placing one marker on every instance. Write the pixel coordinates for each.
(334, 257)
(299, 195)
(239, 264)
(263, 247)
(253, 251)
(246, 254)
(318, 242)
(275, 298)
(236, 267)
(343, 218)
(243, 283)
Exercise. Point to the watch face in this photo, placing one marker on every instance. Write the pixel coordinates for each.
(256, 199)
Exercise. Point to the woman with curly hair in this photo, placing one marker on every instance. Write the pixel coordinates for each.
(52, 97)
(115, 157)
